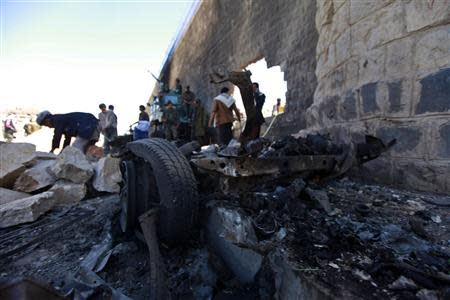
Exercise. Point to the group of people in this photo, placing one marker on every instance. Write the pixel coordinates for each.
(188, 122)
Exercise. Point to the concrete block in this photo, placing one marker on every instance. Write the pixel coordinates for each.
(435, 92)
(67, 192)
(107, 175)
(421, 14)
(432, 49)
(72, 165)
(36, 178)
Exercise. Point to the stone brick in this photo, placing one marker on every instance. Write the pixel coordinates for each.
(399, 58)
(347, 107)
(395, 96)
(369, 98)
(433, 49)
(371, 66)
(435, 93)
(409, 140)
(442, 139)
(421, 14)
(328, 108)
(360, 9)
(343, 47)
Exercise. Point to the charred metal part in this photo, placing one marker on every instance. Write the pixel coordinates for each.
(158, 279)
(243, 167)
(128, 196)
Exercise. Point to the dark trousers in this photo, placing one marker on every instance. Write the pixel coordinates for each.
(225, 133)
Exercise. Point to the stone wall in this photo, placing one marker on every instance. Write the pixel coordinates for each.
(237, 33)
(383, 68)
(352, 67)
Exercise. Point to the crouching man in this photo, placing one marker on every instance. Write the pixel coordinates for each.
(82, 126)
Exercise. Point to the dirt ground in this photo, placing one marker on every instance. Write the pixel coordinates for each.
(373, 235)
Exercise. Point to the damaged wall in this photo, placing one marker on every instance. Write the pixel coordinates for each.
(352, 68)
(237, 33)
(383, 68)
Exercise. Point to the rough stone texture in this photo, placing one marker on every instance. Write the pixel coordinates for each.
(7, 195)
(38, 157)
(67, 192)
(25, 210)
(37, 178)
(107, 175)
(13, 156)
(401, 84)
(226, 227)
(72, 165)
(238, 34)
(349, 65)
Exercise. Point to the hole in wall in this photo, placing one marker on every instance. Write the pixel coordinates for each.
(271, 83)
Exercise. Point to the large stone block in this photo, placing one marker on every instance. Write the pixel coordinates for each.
(36, 178)
(7, 195)
(68, 193)
(107, 175)
(225, 228)
(410, 140)
(343, 47)
(13, 156)
(360, 9)
(371, 66)
(369, 98)
(435, 93)
(399, 58)
(432, 49)
(25, 210)
(439, 138)
(72, 165)
(421, 14)
(348, 106)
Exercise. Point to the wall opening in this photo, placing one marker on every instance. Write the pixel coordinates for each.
(271, 83)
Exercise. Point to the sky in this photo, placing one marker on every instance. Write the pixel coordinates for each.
(72, 55)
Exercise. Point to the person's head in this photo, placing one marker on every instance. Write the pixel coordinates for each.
(224, 90)
(188, 88)
(102, 107)
(169, 104)
(111, 107)
(278, 101)
(255, 87)
(141, 107)
(43, 118)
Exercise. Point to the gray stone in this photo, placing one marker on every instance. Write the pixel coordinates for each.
(7, 195)
(403, 283)
(432, 50)
(435, 96)
(71, 164)
(12, 159)
(107, 175)
(369, 98)
(395, 95)
(320, 197)
(40, 156)
(25, 210)
(225, 228)
(408, 138)
(399, 58)
(444, 141)
(347, 109)
(68, 193)
(421, 14)
(37, 178)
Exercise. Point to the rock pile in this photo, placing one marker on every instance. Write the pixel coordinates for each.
(33, 182)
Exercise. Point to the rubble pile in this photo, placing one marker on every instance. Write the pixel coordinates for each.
(33, 182)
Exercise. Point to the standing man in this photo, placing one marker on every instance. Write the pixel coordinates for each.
(83, 126)
(222, 115)
(111, 107)
(188, 96)
(260, 98)
(9, 129)
(108, 126)
(170, 120)
(277, 108)
(143, 115)
(178, 86)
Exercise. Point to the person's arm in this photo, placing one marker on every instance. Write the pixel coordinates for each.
(56, 139)
(237, 112)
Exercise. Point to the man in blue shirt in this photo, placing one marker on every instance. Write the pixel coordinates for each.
(82, 126)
